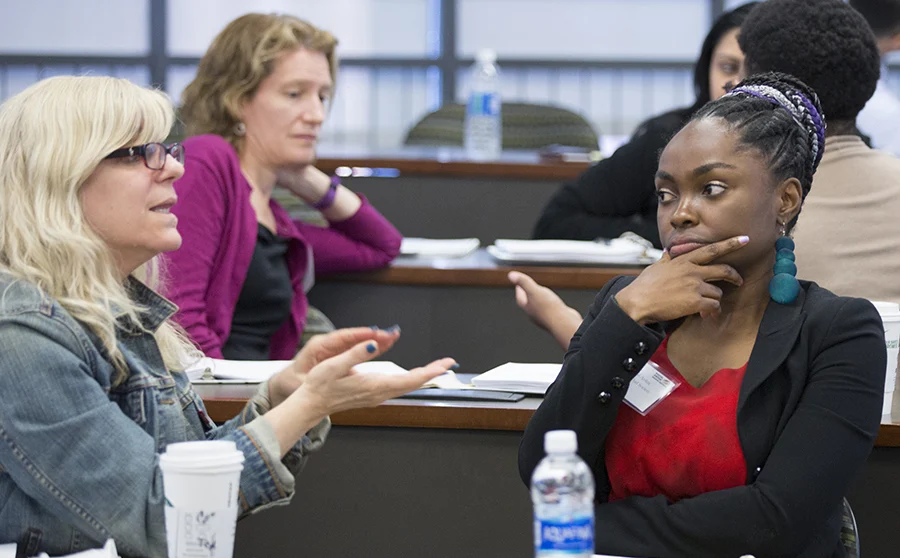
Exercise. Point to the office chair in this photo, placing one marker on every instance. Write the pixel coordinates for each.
(525, 126)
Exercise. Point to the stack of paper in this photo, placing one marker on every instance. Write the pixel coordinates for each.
(438, 248)
(519, 377)
(215, 370)
(615, 251)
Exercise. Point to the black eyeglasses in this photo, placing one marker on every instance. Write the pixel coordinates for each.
(154, 154)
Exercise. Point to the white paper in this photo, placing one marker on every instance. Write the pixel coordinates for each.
(519, 377)
(615, 247)
(254, 371)
(627, 251)
(444, 381)
(438, 248)
(7, 551)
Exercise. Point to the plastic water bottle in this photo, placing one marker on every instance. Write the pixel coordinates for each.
(562, 490)
(483, 129)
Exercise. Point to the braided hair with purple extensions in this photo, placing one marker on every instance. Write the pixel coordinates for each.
(779, 116)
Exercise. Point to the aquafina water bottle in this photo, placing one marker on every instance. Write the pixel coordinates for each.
(483, 128)
(562, 490)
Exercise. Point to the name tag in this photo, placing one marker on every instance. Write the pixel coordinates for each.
(648, 388)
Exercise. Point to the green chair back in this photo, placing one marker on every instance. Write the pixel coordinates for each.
(525, 126)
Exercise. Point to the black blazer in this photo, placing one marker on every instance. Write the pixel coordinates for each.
(808, 414)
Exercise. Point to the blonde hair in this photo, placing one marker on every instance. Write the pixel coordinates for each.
(53, 136)
(240, 57)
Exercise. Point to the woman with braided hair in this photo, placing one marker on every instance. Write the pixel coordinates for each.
(766, 390)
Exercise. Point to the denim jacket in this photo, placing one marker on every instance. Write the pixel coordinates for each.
(79, 457)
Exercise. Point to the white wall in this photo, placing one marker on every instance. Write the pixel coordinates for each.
(584, 29)
(365, 28)
(376, 106)
(74, 27)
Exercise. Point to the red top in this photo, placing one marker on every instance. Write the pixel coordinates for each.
(687, 445)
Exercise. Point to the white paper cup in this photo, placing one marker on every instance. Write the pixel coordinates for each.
(201, 482)
(890, 317)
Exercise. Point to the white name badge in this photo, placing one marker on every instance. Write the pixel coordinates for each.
(649, 387)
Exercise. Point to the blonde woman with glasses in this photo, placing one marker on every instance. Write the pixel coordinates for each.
(90, 362)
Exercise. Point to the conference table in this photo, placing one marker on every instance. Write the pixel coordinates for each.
(439, 479)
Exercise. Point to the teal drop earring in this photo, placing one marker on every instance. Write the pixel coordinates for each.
(784, 287)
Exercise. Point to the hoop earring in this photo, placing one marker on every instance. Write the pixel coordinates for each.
(784, 287)
(240, 129)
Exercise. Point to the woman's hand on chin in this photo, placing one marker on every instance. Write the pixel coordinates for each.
(674, 288)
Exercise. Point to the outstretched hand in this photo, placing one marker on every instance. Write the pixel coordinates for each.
(545, 308)
(321, 348)
(334, 385)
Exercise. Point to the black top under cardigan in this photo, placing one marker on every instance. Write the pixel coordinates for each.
(618, 193)
(808, 415)
(265, 300)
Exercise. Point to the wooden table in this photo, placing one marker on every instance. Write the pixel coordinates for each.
(224, 401)
(439, 479)
(436, 193)
(464, 308)
(446, 162)
(480, 270)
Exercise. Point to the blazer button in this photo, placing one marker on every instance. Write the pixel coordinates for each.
(618, 382)
(629, 364)
(640, 348)
(604, 397)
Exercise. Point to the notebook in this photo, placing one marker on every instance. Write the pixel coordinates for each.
(519, 377)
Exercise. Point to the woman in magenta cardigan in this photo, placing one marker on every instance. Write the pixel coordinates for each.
(256, 108)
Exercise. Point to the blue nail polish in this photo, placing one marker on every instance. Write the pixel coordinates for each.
(455, 366)
(393, 329)
(371, 347)
(374, 328)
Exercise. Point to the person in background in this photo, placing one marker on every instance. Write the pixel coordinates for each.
(256, 109)
(880, 119)
(91, 366)
(616, 195)
(780, 392)
(848, 239)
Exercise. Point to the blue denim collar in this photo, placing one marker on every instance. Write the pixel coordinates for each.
(155, 309)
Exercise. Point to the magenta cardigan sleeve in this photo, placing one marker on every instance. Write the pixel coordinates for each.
(364, 241)
(201, 215)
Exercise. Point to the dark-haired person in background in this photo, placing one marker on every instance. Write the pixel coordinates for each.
(880, 119)
(780, 395)
(848, 239)
(616, 195)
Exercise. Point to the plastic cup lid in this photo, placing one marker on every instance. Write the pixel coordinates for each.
(202, 448)
(891, 309)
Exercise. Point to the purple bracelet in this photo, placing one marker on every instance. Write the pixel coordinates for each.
(328, 198)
